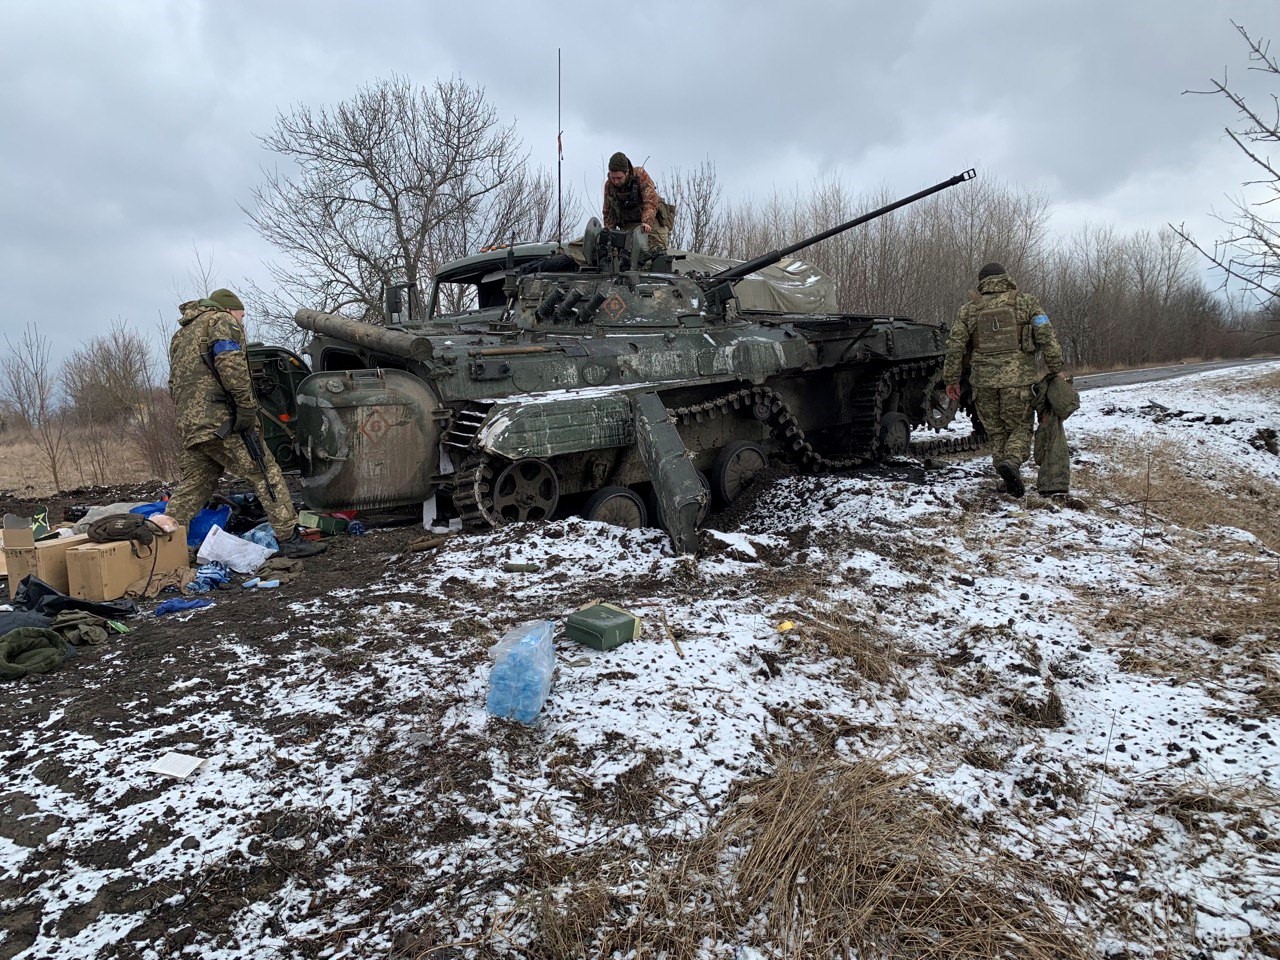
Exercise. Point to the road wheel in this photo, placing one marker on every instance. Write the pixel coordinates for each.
(618, 506)
(737, 467)
(895, 434)
(939, 409)
(525, 490)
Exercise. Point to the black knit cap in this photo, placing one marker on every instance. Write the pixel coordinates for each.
(619, 163)
(992, 269)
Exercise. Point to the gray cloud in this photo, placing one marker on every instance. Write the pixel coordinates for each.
(131, 127)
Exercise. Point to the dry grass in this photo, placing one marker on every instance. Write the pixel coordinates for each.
(843, 859)
(1266, 384)
(1171, 482)
(850, 637)
(93, 458)
(1232, 607)
(630, 797)
(824, 858)
(1203, 806)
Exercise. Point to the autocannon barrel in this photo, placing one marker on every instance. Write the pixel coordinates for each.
(768, 259)
(398, 343)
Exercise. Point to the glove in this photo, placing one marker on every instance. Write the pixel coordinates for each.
(246, 419)
(953, 392)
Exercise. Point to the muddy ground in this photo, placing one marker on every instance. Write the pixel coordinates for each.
(1021, 659)
(135, 681)
(141, 681)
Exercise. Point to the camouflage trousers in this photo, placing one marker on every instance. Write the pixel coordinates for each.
(1006, 415)
(659, 237)
(204, 463)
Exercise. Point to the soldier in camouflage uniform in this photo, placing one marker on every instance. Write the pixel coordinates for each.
(1000, 332)
(631, 200)
(210, 384)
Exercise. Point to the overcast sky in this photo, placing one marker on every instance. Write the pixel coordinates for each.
(130, 127)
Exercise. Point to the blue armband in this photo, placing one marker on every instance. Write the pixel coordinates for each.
(223, 346)
(1040, 320)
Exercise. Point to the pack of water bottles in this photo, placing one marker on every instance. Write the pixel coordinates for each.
(520, 679)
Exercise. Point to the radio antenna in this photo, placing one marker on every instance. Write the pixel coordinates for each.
(559, 158)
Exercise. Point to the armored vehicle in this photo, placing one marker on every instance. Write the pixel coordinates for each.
(538, 379)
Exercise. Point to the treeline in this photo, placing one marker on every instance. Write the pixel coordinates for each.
(101, 413)
(1115, 299)
(391, 183)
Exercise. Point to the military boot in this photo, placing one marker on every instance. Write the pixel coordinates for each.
(296, 547)
(1012, 477)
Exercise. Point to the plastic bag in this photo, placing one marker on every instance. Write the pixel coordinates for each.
(263, 536)
(524, 661)
(240, 555)
(204, 521)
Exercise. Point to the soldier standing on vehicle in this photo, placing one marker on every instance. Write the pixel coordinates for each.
(1000, 332)
(211, 386)
(631, 200)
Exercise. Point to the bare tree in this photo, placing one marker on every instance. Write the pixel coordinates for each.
(1249, 251)
(385, 187)
(154, 432)
(11, 417)
(108, 375)
(112, 384)
(201, 279)
(696, 196)
(34, 388)
(1115, 300)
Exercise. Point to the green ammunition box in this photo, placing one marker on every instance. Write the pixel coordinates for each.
(602, 626)
(318, 521)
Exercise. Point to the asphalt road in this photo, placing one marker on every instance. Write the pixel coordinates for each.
(1150, 374)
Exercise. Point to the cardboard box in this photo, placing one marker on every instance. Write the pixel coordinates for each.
(104, 571)
(46, 559)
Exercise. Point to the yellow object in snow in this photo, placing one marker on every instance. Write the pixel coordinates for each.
(786, 625)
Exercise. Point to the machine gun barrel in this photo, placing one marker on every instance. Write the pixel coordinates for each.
(399, 343)
(768, 259)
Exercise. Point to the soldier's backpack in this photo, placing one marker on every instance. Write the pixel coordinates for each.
(997, 330)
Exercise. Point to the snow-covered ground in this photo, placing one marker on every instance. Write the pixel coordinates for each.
(1037, 667)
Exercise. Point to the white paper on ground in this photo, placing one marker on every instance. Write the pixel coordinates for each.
(428, 513)
(240, 555)
(177, 765)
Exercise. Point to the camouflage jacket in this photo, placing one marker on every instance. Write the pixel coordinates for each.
(633, 203)
(206, 330)
(1013, 369)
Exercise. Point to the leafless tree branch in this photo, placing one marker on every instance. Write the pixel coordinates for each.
(385, 187)
(1249, 253)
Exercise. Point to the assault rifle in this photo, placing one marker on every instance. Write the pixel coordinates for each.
(251, 443)
(250, 437)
